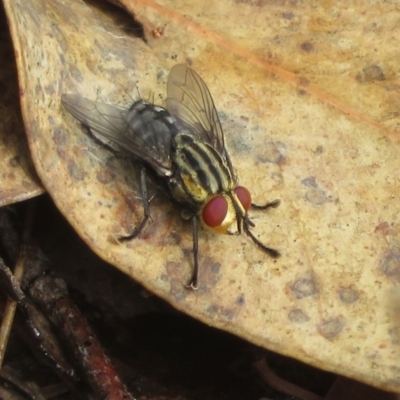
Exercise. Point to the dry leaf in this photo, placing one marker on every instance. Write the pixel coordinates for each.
(308, 100)
(18, 178)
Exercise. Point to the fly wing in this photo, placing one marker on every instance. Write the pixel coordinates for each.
(190, 102)
(139, 130)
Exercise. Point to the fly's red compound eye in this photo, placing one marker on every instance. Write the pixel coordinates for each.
(215, 211)
(244, 196)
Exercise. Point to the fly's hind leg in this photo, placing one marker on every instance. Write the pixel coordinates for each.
(146, 209)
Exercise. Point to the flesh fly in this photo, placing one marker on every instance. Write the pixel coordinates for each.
(183, 146)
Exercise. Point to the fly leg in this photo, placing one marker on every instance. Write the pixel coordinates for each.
(146, 209)
(272, 204)
(247, 224)
(271, 252)
(193, 284)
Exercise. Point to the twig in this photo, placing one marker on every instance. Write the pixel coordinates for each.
(11, 305)
(51, 293)
(273, 380)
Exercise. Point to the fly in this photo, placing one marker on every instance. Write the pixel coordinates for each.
(184, 147)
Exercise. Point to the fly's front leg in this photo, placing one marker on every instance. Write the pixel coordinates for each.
(247, 223)
(146, 208)
(193, 284)
(272, 204)
(271, 252)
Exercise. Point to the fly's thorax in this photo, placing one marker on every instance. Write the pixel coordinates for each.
(220, 212)
(199, 171)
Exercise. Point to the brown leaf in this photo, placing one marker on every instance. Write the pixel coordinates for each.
(308, 100)
(18, 178)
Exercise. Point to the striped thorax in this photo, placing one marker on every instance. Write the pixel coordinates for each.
(204, 182)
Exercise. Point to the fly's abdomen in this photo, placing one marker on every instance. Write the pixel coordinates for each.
(152, 123)
(200, 172)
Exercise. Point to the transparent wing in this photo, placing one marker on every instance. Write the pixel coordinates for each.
(141, 130)
(190, 102)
